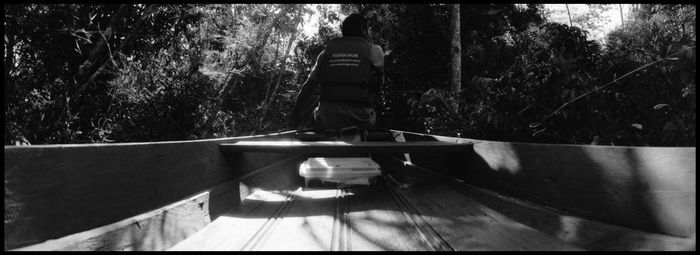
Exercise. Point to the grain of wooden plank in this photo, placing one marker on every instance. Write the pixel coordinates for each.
(646, 188)
(373, 222)
(307, 226)
(234, 229)
(378, 223)
(155, 230)
(588, 234)
(52, 191)
(468, 225)
(47, 187)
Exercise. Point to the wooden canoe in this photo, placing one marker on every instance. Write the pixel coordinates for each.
(438, 193)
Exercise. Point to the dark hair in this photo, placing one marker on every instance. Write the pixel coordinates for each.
(354, 25)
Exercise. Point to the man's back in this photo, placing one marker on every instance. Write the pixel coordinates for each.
(348, 84)
(347, 77)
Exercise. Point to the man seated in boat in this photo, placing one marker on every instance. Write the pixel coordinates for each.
(342, 89)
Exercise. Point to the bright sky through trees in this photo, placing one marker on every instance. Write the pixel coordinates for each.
(557, 13)
(311, 21)
(609, 19)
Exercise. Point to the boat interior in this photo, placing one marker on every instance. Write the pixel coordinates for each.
(212, 195)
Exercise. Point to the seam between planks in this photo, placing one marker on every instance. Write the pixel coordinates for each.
(263, 233)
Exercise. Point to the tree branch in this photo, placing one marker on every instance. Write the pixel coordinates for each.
(614, 81)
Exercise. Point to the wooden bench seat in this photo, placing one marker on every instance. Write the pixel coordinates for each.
(339, 147)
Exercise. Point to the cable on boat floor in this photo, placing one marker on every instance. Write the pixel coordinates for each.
(382, 217)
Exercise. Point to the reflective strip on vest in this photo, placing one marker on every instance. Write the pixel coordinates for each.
(345, 70)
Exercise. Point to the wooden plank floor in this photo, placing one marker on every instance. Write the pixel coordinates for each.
(377, 218)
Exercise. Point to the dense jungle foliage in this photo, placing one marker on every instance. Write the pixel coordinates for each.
(135, 72)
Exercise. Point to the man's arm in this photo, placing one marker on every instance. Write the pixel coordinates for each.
(308, 97)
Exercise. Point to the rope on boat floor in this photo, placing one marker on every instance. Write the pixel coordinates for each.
(340, 236)
(426, 231)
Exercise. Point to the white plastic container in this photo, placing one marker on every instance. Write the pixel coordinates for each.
(342, 170)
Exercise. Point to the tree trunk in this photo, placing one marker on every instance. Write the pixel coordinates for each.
(250, 58)
(9, 64)
(262, 37)
(204, 130)
(124, 43)
(96, 53)
(268, 102)
(89, 70)
(456, 53)
(569, 13)
(621, 19)
(268, 84)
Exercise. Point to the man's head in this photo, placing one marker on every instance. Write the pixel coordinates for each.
(354, 25)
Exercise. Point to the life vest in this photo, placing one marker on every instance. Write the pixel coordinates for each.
(345, 70)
